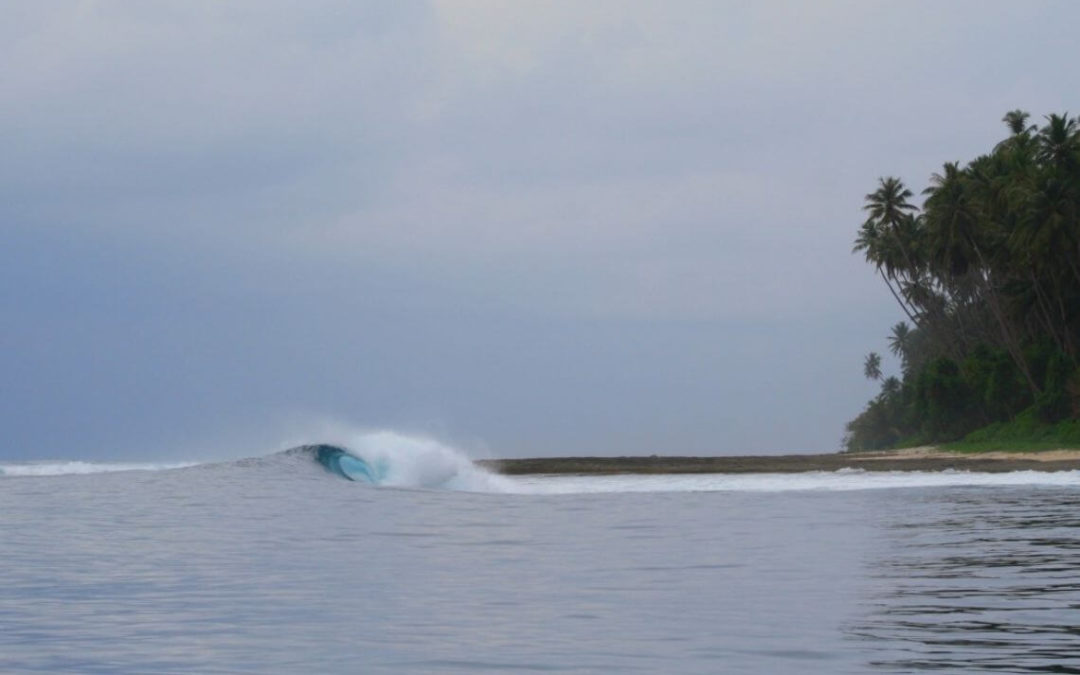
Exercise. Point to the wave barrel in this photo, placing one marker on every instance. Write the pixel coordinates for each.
(338, 461)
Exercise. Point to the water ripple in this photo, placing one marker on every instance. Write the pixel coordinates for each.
(1005, 600)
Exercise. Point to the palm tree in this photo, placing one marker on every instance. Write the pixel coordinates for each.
(1016, 120)
(889, 208)
(1050, 227)
(872, 366)
(874, 247)
(952, 224)
(890, 387)
(889, 202)
(1059, 142)
(900, 340)
(955, 233)
(890, 238)
(1047, 239)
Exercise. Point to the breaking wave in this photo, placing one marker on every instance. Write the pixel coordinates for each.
(392, 459)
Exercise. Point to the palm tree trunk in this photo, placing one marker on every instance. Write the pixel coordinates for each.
(1011, 344)
(897, 298)
(1045, 311)
(1069, 350)
(1072, 265)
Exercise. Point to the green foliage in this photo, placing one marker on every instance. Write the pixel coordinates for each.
(1054, 403)
(1026, 432)
(943, 400)
(988, 274)
(1002, 387)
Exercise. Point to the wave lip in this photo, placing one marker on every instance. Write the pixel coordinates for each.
(75, 467)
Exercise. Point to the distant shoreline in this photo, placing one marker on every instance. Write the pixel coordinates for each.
(912, 459)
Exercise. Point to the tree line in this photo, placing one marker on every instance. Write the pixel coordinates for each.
(987, 274)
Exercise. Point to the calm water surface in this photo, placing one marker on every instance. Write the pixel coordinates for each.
(273, 565)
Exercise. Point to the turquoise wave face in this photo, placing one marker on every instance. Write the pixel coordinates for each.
(340, 462)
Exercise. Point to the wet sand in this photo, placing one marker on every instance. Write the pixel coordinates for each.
(912, 459)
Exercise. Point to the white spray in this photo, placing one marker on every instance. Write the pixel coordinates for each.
(418, 461)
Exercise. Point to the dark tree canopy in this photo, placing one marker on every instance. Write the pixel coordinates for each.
(987, 272)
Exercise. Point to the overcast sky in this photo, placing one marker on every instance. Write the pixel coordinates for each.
(524, 227)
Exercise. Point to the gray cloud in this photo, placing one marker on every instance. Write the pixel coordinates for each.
(611, 227)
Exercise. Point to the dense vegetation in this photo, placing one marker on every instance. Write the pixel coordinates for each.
(987, 273)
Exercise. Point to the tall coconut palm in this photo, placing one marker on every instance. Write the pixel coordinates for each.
(872, 366)
(952, 222)
(889, 202)
(1059, 142)
(890, 237)
(900, 340)
(956, 234)
(1048, 240)
(875, 247)
(890, 387)
(1016, 120)
(1050, 225)
(889, 208)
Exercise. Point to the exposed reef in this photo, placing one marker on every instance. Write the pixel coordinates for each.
(919, 459)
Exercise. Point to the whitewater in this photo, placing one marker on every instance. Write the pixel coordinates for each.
(391, 459)
(425, 562)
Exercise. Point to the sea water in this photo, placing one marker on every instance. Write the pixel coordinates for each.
(275, 565)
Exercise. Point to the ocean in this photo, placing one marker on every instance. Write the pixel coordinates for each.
(278, 565)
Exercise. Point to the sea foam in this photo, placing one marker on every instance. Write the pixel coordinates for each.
(63, 468)
(842, 480)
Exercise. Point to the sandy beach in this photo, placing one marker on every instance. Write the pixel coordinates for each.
(910, 459)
